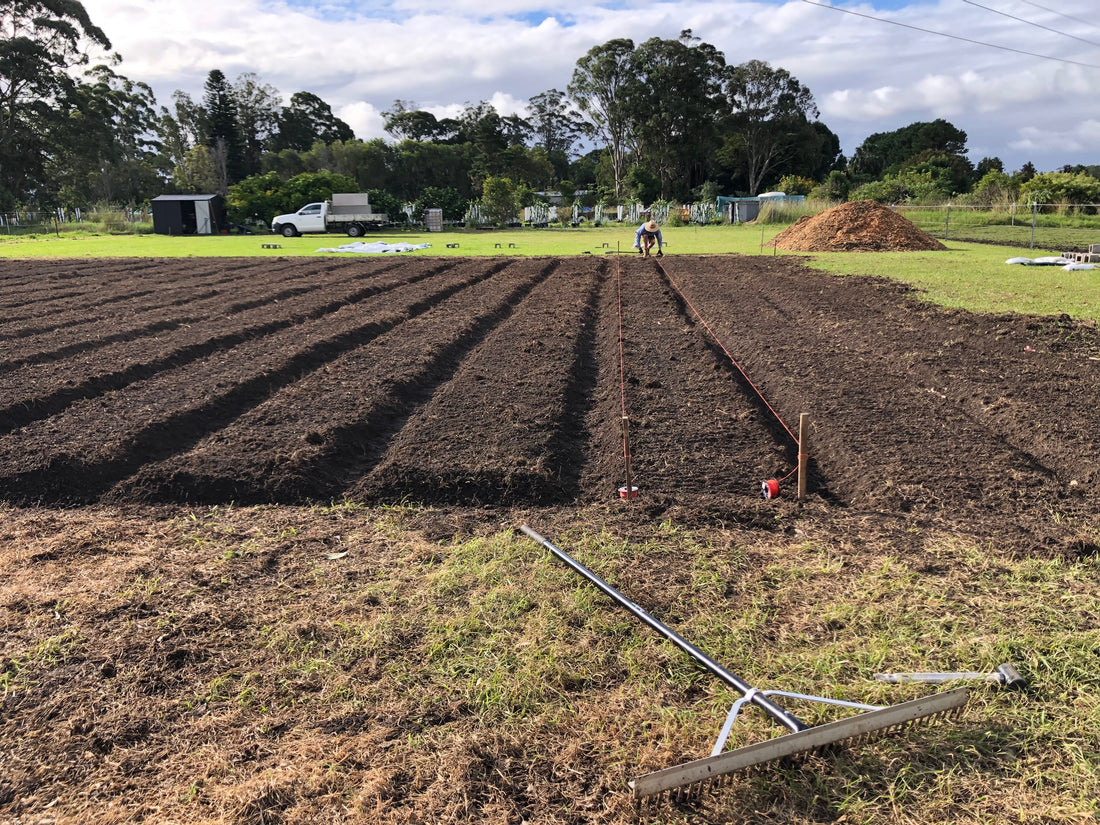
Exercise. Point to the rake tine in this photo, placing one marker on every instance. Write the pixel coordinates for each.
(859, 728)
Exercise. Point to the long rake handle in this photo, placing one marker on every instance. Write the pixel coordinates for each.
(788, 720)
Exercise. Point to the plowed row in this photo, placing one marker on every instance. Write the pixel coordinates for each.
(476, 381)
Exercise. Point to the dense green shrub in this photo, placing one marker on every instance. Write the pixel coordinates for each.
(447, 198)
(1061, 188)
(262, 197)
(910, 187)
(834, 188)
(498, 201)
(795, 185)
(995, 187)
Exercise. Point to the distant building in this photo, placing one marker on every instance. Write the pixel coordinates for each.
(189, 214)
(743, 210)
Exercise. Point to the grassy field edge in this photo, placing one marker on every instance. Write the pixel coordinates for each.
(969, 276)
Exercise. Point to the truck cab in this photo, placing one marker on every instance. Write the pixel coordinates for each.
(310, 218)
(347, 212)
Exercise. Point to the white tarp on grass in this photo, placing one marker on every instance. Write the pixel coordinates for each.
(1051, 260)
(375, 248)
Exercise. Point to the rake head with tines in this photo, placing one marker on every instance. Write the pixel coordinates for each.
(693, 777)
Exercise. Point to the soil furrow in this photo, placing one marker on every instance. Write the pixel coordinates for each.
(21, 278)
(332, 430)
(174, 353)
(693, 432)
(76, 348)
(98, 287)
(515, 408)
(169, 298)
(891, 426)
(448, 381)
(102, 440)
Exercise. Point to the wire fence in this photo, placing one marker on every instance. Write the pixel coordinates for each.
(37, 221)
(1048, 226)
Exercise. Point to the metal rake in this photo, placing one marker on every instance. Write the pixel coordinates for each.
(691, 778)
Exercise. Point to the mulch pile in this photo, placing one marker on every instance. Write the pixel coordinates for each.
(859, 226)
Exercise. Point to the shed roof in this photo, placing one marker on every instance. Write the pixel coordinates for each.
(184, 197)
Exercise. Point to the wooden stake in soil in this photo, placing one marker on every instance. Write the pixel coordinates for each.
(626, 456)
(803, 452)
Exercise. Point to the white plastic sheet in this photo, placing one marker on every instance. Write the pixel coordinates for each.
(375, 248)
(1050, 260)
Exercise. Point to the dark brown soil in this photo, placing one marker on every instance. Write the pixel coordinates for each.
(471, 382)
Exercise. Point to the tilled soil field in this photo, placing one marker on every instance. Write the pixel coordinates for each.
(504, 382)
(224, 483)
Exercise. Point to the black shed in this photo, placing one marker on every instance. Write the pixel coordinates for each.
(188, 214)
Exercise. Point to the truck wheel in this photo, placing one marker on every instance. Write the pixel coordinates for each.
(355, 231)
(289, 231)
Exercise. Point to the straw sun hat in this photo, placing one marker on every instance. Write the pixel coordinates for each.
(651, 226)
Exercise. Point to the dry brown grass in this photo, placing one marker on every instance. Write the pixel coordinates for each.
(234, 666)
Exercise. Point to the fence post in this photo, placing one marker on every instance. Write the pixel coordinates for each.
(947, 223)
(1034, 207)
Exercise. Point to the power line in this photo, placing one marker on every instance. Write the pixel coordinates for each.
(1089, 23)
(1030, 23)
(954, 36)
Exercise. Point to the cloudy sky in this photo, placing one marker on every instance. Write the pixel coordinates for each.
(1020, 77)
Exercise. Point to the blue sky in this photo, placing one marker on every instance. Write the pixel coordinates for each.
(867, 75)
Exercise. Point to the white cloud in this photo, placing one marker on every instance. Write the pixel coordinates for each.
(363, 118)
(865, 104)
(1080, 139)
(867, 76)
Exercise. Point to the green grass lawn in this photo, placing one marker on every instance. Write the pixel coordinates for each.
(975, 277)
(553, 241)
(969, 276)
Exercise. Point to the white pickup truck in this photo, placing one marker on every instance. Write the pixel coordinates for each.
(349, 213)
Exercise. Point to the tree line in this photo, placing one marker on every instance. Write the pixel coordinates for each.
(665, 119)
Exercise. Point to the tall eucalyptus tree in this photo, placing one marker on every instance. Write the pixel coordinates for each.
(41, 43)
(600, 88)
(675, 102)
(766, 107)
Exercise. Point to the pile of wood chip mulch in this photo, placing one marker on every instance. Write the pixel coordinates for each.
(858, 226)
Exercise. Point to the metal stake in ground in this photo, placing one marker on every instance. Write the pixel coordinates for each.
(1005, 674)
(701, 773)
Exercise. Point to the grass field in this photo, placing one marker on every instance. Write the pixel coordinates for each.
(553, 241)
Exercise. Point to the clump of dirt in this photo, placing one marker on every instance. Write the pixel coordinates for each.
(859, 226)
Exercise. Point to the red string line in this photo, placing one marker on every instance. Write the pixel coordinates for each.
(728, 355)
(622, 359)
